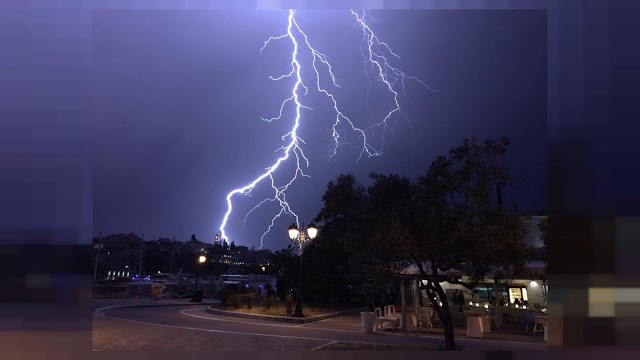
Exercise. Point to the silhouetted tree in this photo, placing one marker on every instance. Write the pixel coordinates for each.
(543, 226)
(286, 266)
(446, 220)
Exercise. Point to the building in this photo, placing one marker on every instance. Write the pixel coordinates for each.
(530, 286)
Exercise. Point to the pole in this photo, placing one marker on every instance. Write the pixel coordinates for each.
(195, 289)
(173, 248)
(140, 264)
(95, 269)
(403, 303)
(298, 311)
(218, 263)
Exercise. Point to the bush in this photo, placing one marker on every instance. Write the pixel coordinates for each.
(224, 294)
(267, 303)
(250, 296)
(232, 300)
(288, 304)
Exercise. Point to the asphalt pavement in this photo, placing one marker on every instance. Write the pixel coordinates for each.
(190, 327)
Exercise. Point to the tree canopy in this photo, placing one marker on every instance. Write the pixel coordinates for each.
(444, 220)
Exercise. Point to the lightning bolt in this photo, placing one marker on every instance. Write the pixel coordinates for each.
(372, 53)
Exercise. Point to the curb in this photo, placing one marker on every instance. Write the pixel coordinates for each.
(100, 311)
(287, 319)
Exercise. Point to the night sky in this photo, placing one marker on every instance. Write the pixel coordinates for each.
(178, 97)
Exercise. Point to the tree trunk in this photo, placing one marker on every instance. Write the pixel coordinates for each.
(433, 287)
(331, 293)
(449, 337)
(496, 306)
(443, 313)
(447, 322)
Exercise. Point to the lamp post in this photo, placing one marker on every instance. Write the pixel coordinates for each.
(98, 247)
(201, 260)
(219, 243)
(299, 238)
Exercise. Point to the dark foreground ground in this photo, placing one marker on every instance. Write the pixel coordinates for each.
(191, 328)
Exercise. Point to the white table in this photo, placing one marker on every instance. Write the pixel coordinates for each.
(474, 326)
(486, 324)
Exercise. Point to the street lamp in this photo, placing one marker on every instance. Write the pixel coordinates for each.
(299, 238)
(217, 241)
(201, 260)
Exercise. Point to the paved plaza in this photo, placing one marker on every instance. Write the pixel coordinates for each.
(180, 325)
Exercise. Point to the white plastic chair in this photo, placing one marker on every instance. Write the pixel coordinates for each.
(382, 320)
(539, 320)
(424, 316)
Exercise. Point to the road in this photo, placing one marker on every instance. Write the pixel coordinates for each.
(192, 328)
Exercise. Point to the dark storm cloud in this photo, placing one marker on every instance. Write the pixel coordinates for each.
(178, 97)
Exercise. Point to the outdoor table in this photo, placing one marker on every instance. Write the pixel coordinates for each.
(474, 325)
(486, 323)
(411, 321)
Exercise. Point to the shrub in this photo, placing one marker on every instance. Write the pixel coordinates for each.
(224, 294)
(267, 303)
(288, 304)
(250, 296)
(232, 300)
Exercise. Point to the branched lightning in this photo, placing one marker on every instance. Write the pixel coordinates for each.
(372, 52)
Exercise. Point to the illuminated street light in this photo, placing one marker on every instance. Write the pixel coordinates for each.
(196, 298)
(299, 238)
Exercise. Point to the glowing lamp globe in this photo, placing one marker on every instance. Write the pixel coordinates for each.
(293, 232)
(312, 230)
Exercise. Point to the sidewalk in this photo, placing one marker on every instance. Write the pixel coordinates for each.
(99, 305)
(497, 339)
(351, 323)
